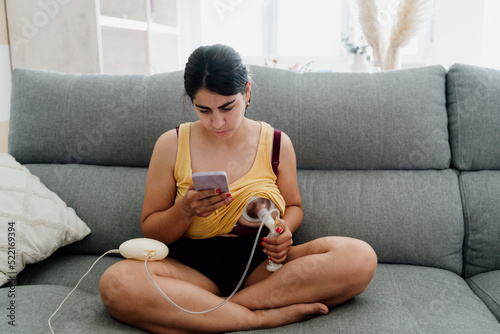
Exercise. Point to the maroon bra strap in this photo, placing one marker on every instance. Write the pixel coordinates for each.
(275, 161)
(177, 130)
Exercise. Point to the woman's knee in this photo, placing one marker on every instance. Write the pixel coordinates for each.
(356, 258)
(118, 288)
(363, 260)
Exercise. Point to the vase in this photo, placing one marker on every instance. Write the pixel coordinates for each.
(360, 64)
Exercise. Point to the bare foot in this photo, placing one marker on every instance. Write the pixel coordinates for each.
(271, 318)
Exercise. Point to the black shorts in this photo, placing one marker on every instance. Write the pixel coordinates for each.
(221, 259)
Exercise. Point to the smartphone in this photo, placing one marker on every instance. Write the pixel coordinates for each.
(211, 180)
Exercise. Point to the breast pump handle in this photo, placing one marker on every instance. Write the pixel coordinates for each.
(270, 224)
(260, 209)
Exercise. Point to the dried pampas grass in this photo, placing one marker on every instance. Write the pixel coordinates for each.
(410, 16)
(368, 18)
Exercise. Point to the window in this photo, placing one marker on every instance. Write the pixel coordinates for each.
(235, 23)
(290, 31)
(309, 28)
(308, 34)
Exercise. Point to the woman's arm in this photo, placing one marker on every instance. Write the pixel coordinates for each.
(158, 210)
(161, 219)
(277, 248)
(288, 184)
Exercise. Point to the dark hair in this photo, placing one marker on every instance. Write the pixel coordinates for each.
(218, 68)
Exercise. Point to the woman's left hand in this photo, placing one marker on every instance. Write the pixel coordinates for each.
(277, 248)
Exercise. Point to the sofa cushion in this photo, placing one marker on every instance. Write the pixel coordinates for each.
(413, 299)
(82, 313)
(399, 299)
(35, 221)
(412, 217)
(108, 199)
(487, 287)
(474, 116)
(67, 269)
(480, 195)
(389, 120)
(393, 120)
(92, 118)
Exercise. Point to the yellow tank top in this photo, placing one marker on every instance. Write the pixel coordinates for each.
(260, 181)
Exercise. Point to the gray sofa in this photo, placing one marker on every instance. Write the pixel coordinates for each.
(407, 160)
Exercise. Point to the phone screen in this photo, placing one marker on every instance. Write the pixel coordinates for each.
(211, 180)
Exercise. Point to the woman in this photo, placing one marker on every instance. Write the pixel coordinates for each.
(208, 254)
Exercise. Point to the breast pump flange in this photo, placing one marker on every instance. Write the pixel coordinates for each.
(259, 209)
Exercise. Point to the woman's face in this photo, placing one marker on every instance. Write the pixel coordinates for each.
(219, 114)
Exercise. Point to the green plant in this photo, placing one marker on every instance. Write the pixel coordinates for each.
(354, 49)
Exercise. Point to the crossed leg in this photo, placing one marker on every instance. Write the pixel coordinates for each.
(329, 270)
(317, 275)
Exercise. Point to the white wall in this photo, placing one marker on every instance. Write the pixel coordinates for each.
(491, 47)
(58, 35)
(458, 32)
(5, 71)
(5, 77)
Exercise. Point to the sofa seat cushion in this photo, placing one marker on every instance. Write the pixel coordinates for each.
(406, 299)
(414, 299)
(82, 313)
(487, 287)
(400, 299)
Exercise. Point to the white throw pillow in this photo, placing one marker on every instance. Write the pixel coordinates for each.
(34, 221)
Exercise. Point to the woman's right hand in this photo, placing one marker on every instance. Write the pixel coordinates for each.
(203, 203)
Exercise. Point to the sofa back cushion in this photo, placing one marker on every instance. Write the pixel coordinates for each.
(388, 120)
(111, 120)
(107, 198)
(85, 136)
(481, 195)
(392, 120)
(409, 217)
(473, 96)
